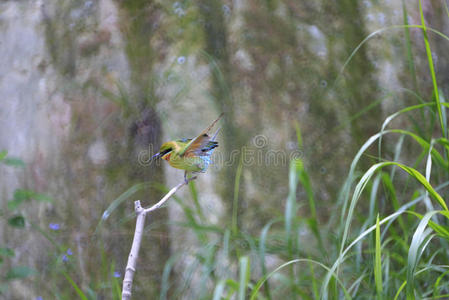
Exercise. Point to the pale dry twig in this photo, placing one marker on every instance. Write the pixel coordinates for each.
(140, 222)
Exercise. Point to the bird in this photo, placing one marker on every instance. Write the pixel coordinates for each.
(190, 155)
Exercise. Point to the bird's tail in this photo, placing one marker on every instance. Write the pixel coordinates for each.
(205, 131)
(215, 134)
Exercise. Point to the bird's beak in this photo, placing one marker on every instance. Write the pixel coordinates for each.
(156, 156)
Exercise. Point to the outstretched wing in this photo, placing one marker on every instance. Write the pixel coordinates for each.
(202, 144)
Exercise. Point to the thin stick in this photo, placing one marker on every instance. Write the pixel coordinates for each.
(134, 253)
(168, 195)
(140, 222)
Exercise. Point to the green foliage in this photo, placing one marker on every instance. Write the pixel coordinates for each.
(23, 195)
(10, 161)
(17, 221)
(378, 262)
(6, 252)
(3, 154)
(19, 272)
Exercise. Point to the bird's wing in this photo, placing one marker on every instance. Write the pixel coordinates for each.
(195, 146)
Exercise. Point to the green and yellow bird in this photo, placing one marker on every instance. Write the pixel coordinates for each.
(191, 155)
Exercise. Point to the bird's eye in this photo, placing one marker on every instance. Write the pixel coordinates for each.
(166, 151)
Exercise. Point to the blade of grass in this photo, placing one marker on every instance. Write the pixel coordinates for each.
(119, 200)
(400, 290)
(219, 289)
(244, 276)
(410, 60)
(389, 187)
(290, 207)
(196, 202)
(378, 262)
(78, 291)
(115, 285)
(262, 251)
(415, 251)
(235, 203)
(431, 69)
(436, 291)
(313, 220)
(166, 276)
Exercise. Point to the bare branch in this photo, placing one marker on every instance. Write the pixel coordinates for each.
(134, 253)
(140, 222)
(168, 195)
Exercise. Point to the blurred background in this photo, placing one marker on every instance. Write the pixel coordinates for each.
(90, 89)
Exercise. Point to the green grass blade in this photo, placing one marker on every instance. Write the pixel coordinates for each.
(196, 202)
(235, 203)
(410, 60)
(165, 284)
(244, 277)
(305, 181)
(416, 247)
(389, 187)
(119, 200)
(219, 289)
(298, 135)
(427, 201)
(431, 69)
(115, 285)
(78, 291)
(378, 262)
(396, 114)
(436, 286)
(400, 290)
(290, 207)
(262, 251)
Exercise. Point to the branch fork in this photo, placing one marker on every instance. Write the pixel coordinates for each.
(140, 223)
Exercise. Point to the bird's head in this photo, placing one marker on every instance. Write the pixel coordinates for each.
(164, 151)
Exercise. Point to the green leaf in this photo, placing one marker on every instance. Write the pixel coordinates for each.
(7, 252)
(21, 195)
(13, 161)
(42, 198)
(13, 204)
(17, 221)
(20, 272)
(3, 154)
